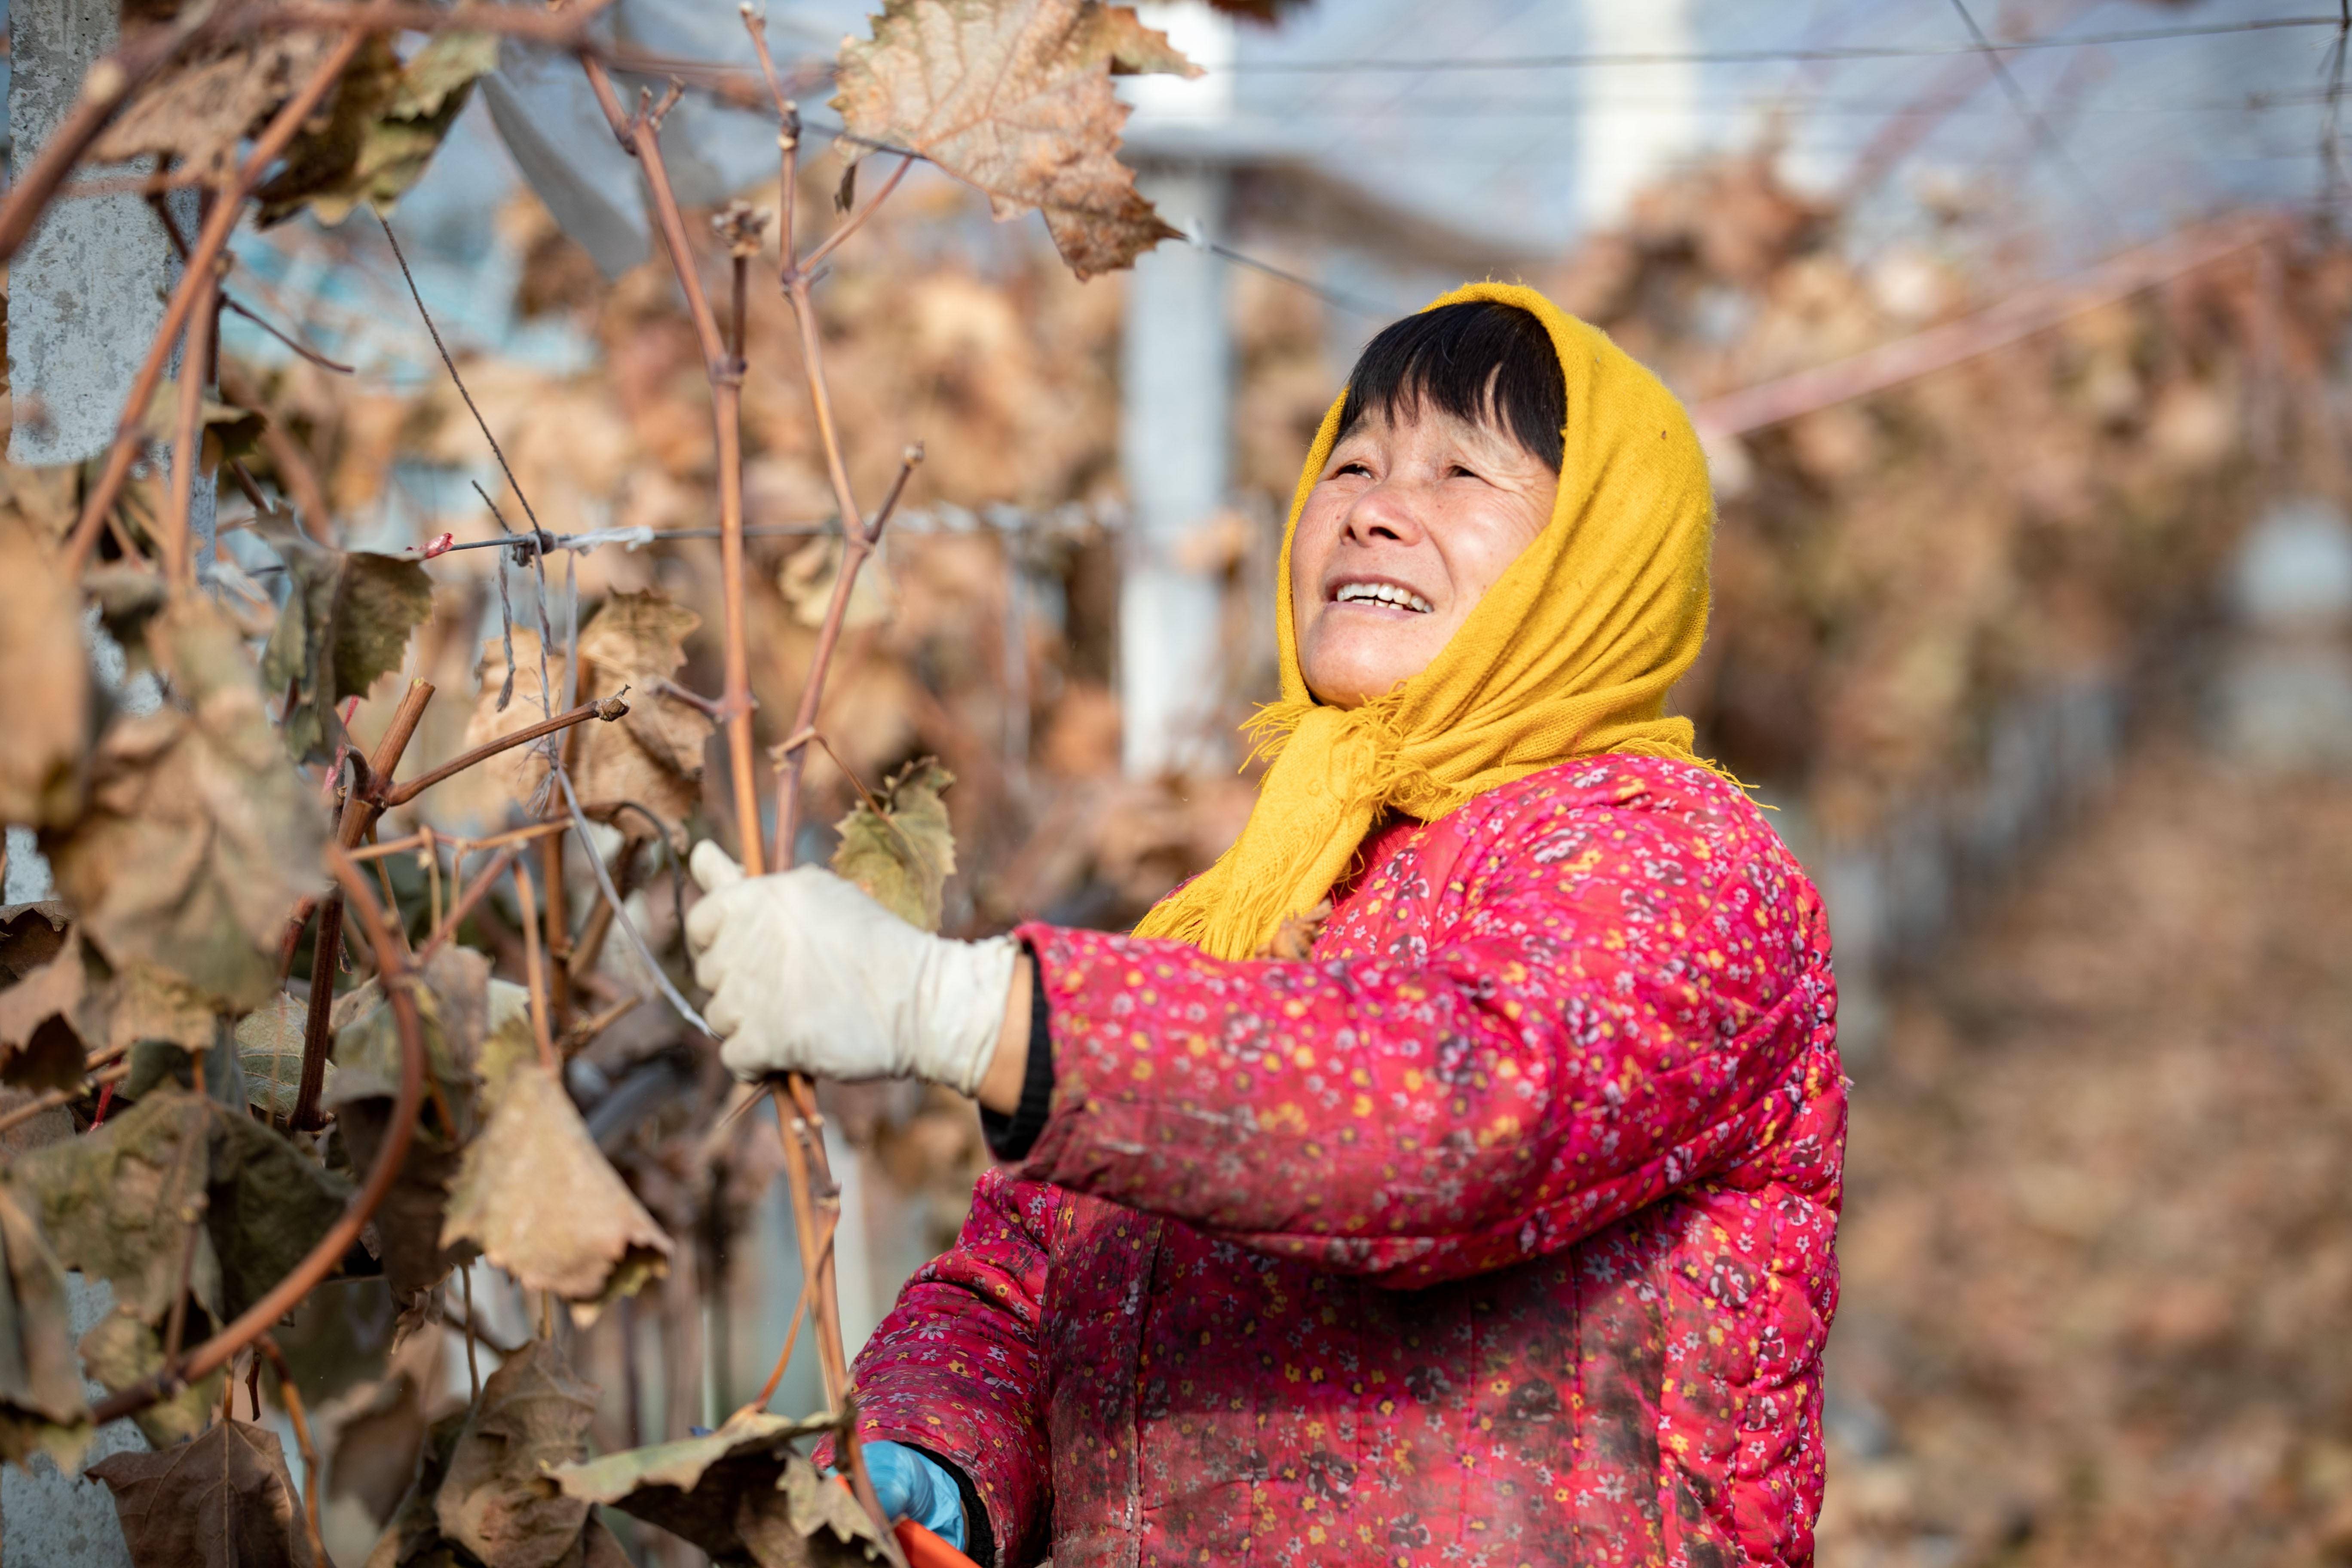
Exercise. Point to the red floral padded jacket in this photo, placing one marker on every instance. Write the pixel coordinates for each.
(1499, 1231)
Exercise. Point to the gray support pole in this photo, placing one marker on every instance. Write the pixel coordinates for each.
(1175, 432)
(85, 292)
(1617, 152)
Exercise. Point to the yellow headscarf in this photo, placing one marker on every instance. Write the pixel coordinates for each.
(1570, 653)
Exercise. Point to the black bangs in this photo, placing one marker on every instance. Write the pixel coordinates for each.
(1488, 364)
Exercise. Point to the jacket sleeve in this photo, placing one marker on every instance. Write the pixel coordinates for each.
(1615, 1013)
(956, 1368)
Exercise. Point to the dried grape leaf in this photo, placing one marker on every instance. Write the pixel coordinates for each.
(692, 1488)
(224, 1500)
(323, 156)
(344, 625)
(539, 1199)
(465, 999)
(389, 119)
(1015, 97)
(497, 1500)
(199, 836)
(372, 1435)
(45, 683)
(199, 110)
(128, 598)
(155, 1063)
(41, 1019)
(598, 1549)
(120, 1351)
(435, 80)
(41, 1405)
(116, 1202)
(269, 1045)
(654, 755)
(145, 1002)
(414, 1531)
(456, 999)
(903, 855)
(521, 771)
(44, 498)
(268, 1207)
(227, 431)
(454, 1002)
(31, 936)
(807, 1520)
(408, 1223)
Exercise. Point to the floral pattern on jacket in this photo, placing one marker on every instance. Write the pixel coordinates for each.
(1499, 1231)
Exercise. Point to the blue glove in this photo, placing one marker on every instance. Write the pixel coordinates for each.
(911, 1484)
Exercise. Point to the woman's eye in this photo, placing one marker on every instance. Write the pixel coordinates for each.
(1352, 469)
(1458, 471)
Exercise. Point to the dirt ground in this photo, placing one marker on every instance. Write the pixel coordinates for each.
(2097, 1244)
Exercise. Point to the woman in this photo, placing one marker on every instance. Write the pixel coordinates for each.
(1500, 1229)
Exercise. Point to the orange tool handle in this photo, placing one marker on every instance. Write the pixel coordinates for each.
(925, 1550)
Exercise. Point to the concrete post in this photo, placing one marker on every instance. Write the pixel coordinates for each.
(1175, 423)
(85, 292)
(1619, 152)
(1176, 419)
(48, 1518)
(2285, 685)
(83, 304)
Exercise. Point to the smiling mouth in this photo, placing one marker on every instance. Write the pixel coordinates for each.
(1387, 593)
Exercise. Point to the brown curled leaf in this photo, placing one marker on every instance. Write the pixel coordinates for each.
(224, 1500)
(345, 625)
(1015, 97)
(497, 1500)
(389, 119)
(41, 1405)
(719, 1492)
(903, 855)
(200, 110)
(539, 1199)
(45, 682)
(654, 755)
(200, 835)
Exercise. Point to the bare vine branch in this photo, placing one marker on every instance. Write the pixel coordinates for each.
(815, 1250)
(291, 1398)
(350, 828)
(187, 446)
(483, 881)
(792, 755)
(57, 1097)
(638, 134)
(451, 366)
(534, 965)
(851, 224)
(606, 709)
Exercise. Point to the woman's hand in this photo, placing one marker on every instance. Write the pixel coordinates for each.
(911, 1484)
(808, 974)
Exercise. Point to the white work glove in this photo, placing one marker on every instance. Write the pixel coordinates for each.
(808, 974)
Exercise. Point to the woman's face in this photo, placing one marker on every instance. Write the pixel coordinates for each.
(1412, 521)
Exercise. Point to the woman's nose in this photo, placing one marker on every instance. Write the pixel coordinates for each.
(1387, 513)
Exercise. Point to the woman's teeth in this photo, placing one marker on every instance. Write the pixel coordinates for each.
(1383, 593)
